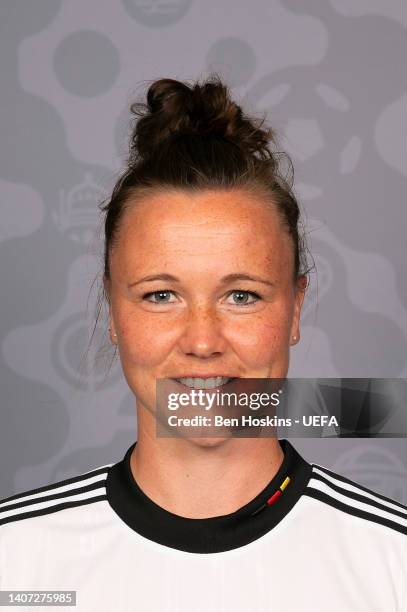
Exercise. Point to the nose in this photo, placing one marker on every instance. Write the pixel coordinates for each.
(202, 333)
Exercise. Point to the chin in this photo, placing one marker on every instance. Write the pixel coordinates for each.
(208, 442)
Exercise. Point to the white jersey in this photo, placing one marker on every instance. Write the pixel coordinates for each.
(311, 540)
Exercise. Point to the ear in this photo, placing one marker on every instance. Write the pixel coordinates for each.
(300, 288)
(112, 328)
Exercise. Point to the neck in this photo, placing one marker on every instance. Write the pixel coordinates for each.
(196, 480)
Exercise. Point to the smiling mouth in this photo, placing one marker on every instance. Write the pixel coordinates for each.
(204, 383)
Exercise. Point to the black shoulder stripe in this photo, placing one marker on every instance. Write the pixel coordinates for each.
(359, 486)
(51, 509)
(331, 501)
(358, 497)
(60, 483)
(39, 500)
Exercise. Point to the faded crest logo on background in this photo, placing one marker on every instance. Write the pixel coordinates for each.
(69, 342)
(157, 13)
(78, 212)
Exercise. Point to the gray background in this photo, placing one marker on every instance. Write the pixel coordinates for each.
(331, 76)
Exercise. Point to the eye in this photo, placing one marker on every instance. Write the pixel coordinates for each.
(159, 295)
(242, 297)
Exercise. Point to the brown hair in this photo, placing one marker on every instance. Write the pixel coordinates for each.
(194, 137)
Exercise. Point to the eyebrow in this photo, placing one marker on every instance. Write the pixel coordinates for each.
(226, 279)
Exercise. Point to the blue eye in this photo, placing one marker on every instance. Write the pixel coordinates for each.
(161, 297)
(243, 295)
(160, 294)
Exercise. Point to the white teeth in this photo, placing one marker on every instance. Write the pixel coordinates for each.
(204, 383)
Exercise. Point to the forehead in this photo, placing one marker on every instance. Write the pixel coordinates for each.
(222, 225)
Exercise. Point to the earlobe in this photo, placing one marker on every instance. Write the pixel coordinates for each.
(113, 336)
(106, 286)
(299, 299)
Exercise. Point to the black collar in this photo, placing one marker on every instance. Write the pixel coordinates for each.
(214, 534)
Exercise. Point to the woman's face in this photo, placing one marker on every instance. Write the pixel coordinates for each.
(202, 285)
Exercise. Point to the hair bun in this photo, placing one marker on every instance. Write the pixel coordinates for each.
(174, 108)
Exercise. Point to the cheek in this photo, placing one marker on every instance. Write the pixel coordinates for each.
(144, 342)
(143, 348)
(262, 339)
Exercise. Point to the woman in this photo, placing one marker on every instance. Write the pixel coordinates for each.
(205, 277)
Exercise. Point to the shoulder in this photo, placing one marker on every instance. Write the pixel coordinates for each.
(346, 496)
(86, 488)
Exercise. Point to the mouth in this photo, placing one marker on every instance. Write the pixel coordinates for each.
(215, 382)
